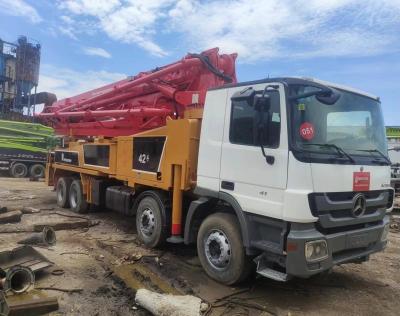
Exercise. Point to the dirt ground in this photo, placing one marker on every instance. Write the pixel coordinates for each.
(107, 265)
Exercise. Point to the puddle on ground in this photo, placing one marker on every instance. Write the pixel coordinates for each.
(137, 276)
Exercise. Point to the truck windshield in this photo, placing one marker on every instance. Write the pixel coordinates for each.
(350, 131)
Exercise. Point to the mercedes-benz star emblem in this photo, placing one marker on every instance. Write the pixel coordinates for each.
(359, 205)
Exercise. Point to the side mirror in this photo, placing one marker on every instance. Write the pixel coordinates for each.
(327, 98)
(253, 99)
(262, 103)
(245, 95)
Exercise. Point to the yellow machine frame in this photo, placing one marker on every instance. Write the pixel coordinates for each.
(177, 169)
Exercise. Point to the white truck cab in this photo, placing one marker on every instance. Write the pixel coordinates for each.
(303, 164)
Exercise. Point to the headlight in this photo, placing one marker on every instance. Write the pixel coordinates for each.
(316, 250)
(385, 233)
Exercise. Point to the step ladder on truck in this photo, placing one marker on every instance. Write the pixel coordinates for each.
(289, 175)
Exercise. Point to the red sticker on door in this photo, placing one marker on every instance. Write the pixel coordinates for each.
(307, 131)
(361, 181)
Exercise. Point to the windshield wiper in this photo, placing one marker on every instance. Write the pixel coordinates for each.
(338, 149)
(377, 151)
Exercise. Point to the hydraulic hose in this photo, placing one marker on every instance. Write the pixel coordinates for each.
(210, 67)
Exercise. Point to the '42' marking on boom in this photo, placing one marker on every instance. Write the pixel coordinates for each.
(144, 158)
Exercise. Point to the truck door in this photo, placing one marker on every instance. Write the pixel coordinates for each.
(256, 184)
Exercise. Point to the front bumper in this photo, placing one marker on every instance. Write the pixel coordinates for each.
(343, 247)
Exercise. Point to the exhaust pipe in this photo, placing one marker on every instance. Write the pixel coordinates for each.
(19, 280)
(47, 237)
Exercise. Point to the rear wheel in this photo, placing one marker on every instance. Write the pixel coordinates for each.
(220, 249)
(77, 201)
(19, 170)
(62, 191)
(151, 220)
(37, 171)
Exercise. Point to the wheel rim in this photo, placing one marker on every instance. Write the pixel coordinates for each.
(147, 222)
(217, 249)
(74, 198)
(19, 170)
(37, 172)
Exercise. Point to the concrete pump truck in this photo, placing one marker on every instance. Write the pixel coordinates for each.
(290, 175)
(24, 147)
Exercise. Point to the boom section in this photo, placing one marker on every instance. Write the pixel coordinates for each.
(144, 101)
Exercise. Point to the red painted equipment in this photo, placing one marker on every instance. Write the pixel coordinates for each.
(144, 101)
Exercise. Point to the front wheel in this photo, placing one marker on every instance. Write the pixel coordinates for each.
(220, 249)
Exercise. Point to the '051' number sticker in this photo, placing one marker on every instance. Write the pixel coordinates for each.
(307, 131)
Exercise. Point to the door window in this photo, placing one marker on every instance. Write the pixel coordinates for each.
(246, 121)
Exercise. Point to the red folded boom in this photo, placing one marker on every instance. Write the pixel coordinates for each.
(144, 101)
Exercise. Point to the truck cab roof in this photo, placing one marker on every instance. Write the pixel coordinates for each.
(300, 80)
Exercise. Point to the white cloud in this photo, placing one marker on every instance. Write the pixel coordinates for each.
(66, 82)
(89, 7)
(67, 19)
(133, 22)
(260, 29)
(256, 29)
(19, 8)
(136, 23)
(68, 32)
(96, 51)
(73, 28)
(351, 43)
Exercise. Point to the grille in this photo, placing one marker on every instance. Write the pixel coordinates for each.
(335, 209)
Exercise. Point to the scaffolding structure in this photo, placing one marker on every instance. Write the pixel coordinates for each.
(19, 77)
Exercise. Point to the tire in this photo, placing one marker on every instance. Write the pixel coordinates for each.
(221, 251)
(151, 220)
(19, 170)
(62, 191)
(77, 201)
(37, 171)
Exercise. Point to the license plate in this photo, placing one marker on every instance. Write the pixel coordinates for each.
(357, 241)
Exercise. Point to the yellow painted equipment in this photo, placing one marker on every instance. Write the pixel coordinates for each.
(175, 173)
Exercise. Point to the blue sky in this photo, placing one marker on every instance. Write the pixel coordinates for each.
(87, 43)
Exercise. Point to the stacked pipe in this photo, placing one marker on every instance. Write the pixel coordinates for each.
(18, 279)
(144, 101)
